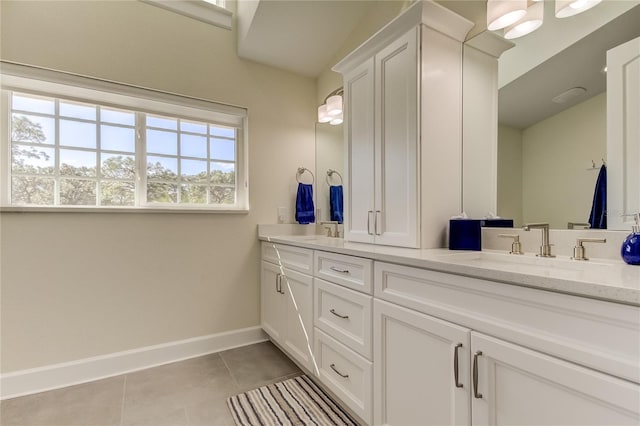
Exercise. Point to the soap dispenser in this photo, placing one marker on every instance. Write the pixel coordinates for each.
(631, 246)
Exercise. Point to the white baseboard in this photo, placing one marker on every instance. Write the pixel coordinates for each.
(25, 382)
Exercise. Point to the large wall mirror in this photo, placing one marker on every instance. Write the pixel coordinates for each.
(552, 134)
(329, 157)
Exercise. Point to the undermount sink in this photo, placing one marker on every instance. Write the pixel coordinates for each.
(521, 262)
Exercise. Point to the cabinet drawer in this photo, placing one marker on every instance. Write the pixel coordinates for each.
(296, 258)
(595, 333)
(345, 315)
(349, 271)
(345, 373)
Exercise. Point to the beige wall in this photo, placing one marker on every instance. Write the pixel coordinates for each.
(76, 285)
(556, 152)
(380, 14)
(510, 174)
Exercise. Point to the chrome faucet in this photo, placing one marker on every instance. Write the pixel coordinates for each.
(545, 247)
(331, 226)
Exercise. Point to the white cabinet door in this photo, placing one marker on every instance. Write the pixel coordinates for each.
(623, 133)
(416, 358)
(519, 386)
(286, 303)
(359, 180)
(272, 302)
(298, 338)
(396, 142)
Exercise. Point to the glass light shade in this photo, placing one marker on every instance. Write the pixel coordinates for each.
(323, 117)
(502, 13)
(531, 22)
(337, 120)
(566, 8)
(334, 105)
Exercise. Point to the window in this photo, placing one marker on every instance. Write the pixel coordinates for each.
(209, 11)
(71, 151)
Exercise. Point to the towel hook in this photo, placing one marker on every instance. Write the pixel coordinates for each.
(301, 171)
(594, 167)
(330, 173)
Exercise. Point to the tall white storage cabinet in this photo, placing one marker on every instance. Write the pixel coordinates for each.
(403, 132)
(623, 133)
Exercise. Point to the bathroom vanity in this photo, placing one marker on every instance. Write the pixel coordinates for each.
(410, 336)
(434, 336)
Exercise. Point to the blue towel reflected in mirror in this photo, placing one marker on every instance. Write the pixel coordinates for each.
(335, 203)
(305, 211)
(598, 216)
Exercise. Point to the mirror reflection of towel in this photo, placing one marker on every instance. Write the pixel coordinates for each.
(598, 216)
(335, 203)
(305, 212)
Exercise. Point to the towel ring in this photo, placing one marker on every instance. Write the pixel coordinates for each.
(301, 171)
(330, 173)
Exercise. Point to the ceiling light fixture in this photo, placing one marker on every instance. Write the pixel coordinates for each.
(502, 13)
(569, 95)
(521, 17)
(566, 8)
(530, 22)
(331, 109)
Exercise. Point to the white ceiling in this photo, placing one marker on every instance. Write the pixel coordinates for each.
(301, 36)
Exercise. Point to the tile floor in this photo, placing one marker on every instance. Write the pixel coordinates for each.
(191, 392)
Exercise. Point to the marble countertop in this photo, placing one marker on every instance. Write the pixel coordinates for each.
(603, 279)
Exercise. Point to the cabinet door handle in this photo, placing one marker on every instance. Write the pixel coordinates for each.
(342, 271)
(278, 275)
(369, 213)
(455, 366)
(475, 375)
(281, 277)
(333, 367)
(378, 213)
(333, 311)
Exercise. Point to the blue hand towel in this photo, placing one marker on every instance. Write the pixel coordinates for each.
(305, 212)
(335, 202)
(598, 216)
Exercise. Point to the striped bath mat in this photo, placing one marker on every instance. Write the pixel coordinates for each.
(296, 401)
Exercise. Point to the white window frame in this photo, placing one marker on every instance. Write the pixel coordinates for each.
(21, 78)
(198, 9)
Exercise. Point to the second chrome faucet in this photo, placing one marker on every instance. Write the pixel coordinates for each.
(545, 247)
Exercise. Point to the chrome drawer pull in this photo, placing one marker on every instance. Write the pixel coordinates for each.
(333, 367)
(475, 375)
(342, 271)
(333, 311)
(455, 366)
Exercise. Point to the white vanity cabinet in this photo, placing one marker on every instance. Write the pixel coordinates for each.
(342, 317)
(421, 370)
(516, 385)
(403, 121)
(287, 299)
(485, 353)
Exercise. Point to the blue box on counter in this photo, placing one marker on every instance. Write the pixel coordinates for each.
(465, 234)
(498, 223)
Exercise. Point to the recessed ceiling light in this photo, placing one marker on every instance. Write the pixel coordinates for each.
(568, 95)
